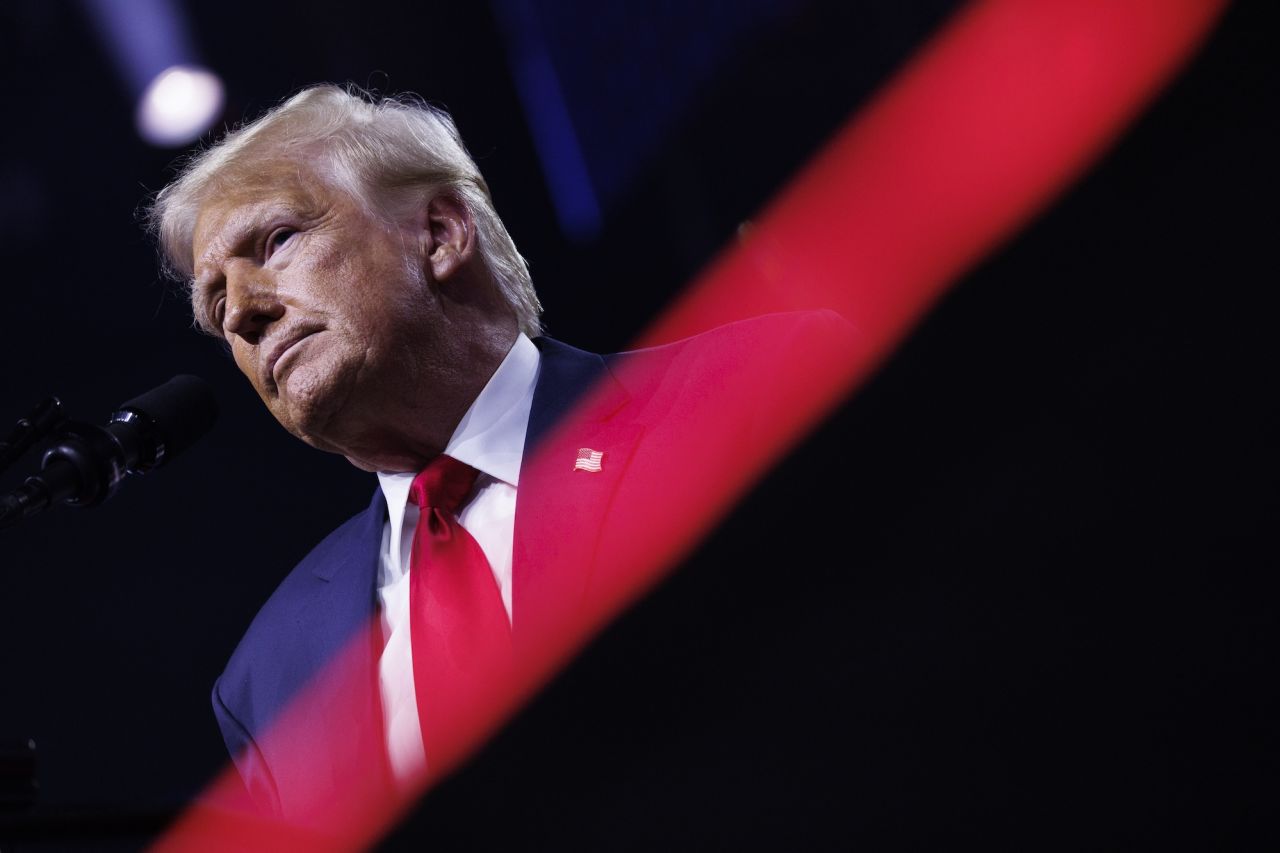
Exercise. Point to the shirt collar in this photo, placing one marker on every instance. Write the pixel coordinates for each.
(490, 436)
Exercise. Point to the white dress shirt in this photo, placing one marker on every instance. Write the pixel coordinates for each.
(489, 438)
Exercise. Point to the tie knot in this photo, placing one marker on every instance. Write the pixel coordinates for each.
(443, 484)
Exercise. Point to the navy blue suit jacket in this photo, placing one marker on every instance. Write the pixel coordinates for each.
(328, 600)
(325, 602)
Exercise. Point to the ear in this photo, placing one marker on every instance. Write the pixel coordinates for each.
(450, 236)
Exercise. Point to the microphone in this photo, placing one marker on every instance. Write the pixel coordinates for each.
(88, 462)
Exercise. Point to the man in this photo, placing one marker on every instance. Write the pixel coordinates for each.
(347, 251)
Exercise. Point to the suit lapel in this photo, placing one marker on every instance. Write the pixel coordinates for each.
(335, 734)
(560, 511)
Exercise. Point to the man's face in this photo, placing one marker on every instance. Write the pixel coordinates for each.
(328, 310)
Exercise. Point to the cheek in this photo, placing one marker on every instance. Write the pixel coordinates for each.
(369, 295)
(243, 358)
(335, 287)
(247, 365)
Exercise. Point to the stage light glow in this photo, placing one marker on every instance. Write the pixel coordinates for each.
(177, 106)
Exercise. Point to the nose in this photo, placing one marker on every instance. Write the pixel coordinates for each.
(252, 304)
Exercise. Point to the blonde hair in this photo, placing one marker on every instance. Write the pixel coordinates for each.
(376, 149)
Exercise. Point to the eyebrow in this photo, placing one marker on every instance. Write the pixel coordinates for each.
(244, 231)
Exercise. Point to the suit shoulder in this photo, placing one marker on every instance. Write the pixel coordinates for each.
(753, 347)
(328, 594)
(333, 555)
(773, 332)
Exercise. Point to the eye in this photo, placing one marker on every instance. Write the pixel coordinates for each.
(278, 240)
(219, 312)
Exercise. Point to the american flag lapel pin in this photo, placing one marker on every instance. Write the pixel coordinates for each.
(588, 460)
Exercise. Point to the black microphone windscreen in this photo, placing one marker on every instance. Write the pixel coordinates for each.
(181, 411)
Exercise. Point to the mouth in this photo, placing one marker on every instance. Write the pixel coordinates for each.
(278, 353)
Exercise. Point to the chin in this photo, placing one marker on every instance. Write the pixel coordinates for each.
(313, 411)
(363, 466)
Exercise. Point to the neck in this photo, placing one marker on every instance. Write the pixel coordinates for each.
(420, 416)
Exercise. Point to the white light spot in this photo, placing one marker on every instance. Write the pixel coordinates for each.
(179, 105)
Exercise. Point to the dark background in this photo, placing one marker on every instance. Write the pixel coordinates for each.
(1036, 598)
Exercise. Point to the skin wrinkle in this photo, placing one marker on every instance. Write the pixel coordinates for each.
(406, 322)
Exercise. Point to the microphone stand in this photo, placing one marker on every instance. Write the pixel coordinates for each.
(46, 417)
(43, 419)
(18, 784)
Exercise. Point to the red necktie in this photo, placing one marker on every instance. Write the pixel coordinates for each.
(458, 626)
